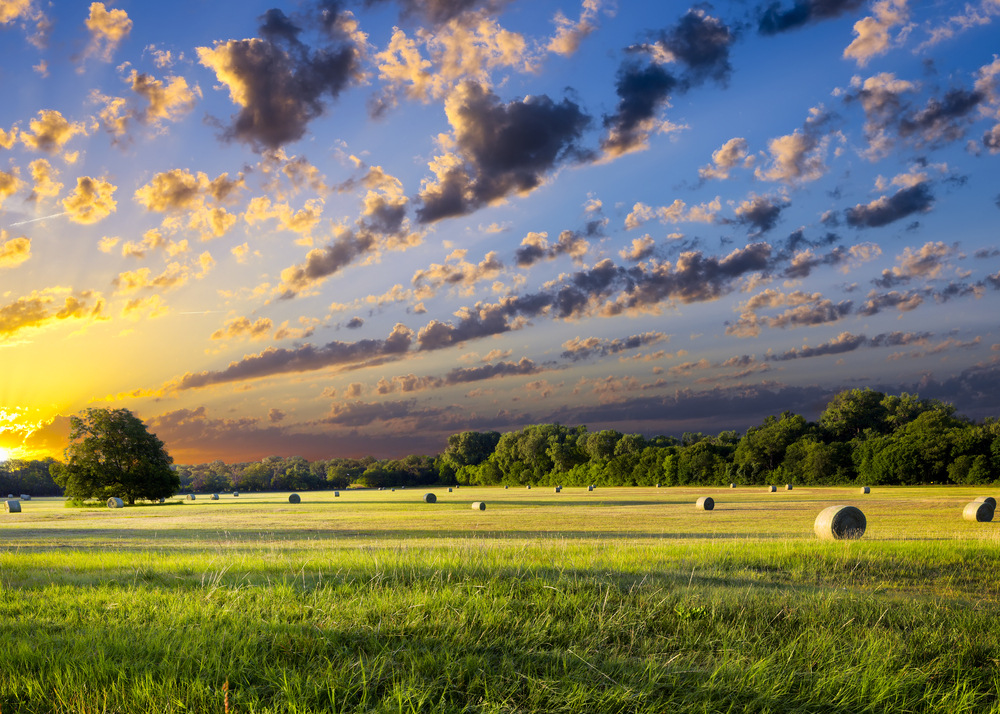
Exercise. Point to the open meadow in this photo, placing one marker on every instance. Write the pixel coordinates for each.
(616, 600)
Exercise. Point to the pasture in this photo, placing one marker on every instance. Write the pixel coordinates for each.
(616, 600)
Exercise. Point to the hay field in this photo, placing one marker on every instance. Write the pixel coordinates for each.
(618, 600)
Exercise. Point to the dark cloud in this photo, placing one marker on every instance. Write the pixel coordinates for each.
(986, 253)
(577, 349)
(761, 213)
(993, 280)
(942, 120)
(320, 263)
(355, 414)
(280, 83)
(354, 323)
(535, 248)
(462, 375)
(775, 19)
(819, 313)
(507, 148)
(846, 342)
(887, 209)
(440, 12)
(305, 358)
(700, 43)
(904, 302)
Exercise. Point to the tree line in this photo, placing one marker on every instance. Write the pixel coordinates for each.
(863, 436)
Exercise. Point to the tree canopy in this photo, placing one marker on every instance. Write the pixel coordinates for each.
(111, 453)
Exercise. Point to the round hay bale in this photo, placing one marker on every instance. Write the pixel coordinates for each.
(978, 512)
(772, 489)
(506, 487)
(557, 489)
(705, 503)
(657, 485)
(294, 498)
(982, 499)
(788, 487)
(215, 497)
(12, 506)
(865, 489)
(336, 494)
(236, 494)
(190, 496)
(449, 490)
(116, 503)
(840, 523)
(528, 487)
(163, 500)
(25, 497)
(590, 488)
(430, 498)
(10, 495)
(732, 485)
(479, 506)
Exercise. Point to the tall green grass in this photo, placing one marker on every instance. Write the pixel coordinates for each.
(546, 618)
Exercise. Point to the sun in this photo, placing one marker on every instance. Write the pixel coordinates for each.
(4, 454)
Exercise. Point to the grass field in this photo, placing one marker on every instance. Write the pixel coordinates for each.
(619, 600)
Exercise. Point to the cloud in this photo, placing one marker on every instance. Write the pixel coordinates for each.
(887, 209)
(877, 302)
(240, 327)
(168, 102)
(535, 248)
(108, 29)
(943, 120)
(465, 48)
(90, 201)
(188, 200)
(460, 274)
(10, 183)
(971, 16)
(873, 37)
(440, 12)
(174, 275)
(500, 149)
(357, 414)
(275, 415)
(15, 251)
(46, 308)
(804, 309)
(775, 19)
(676, 212)
(640, 249)
(642, 92)
(799, 157)
(13, 10)
(578, 349)
(382, 225)
(50, 132)
(761, 213)
(279, 83)
(570, 34)
(729, 156)
(44, 178)
(301, 221)
(928, 262)
(354, 323)
(305, 358)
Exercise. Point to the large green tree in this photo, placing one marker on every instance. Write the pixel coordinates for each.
(111, 453)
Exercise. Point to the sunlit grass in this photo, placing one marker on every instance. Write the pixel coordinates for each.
(615, 600)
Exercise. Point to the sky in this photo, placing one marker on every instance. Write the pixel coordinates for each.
(346, 228)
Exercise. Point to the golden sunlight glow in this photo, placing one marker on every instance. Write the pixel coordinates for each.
(5, 454)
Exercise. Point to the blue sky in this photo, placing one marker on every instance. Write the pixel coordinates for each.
(348, 228)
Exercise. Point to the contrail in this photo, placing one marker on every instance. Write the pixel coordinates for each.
(43, 218)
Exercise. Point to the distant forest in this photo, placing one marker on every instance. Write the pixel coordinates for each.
(863, 436)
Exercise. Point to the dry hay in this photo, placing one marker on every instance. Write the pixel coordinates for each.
(116, 503)
(980, 512)
(590, 488)
(479, 506)
(705, 503)
(236, 494)
(294, 498)
(190, 497)
(12, 506)
(788, 487)
(215, 497)
(557, 489)
(840, 523)
(986, 499)
(10, 495)
(449, 490)
(506, 487)
(732, 485)
(865, 489)
(25, 497)
(336, 494)
(528, 487)
(163, 500)
(772, 489)
(430, 498)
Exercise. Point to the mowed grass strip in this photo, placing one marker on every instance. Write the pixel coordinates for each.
(543, 615)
